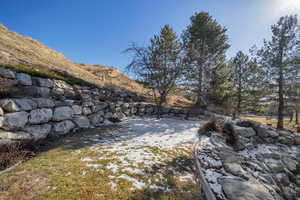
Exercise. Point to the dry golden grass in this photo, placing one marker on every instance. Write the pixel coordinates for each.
(273, 122)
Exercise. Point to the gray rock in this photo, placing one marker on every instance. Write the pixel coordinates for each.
(35, 91)
(20, 135)
(288, 140)
(87, 103)
(1, 121)
(99, 107)
(235, 169)
(108, 115)
(6, 73)
(44, 102)
(77, 110)
(1, 112)
(24, 79)
(62, 113)
(290, 163)
(57, 91)
(283, 179)
(289, 193)
(43, 82)
(15, 120)
(275, 167)
(86, 111)
(25, 104)
(63, 127)
(9, 105)
(40, 116)
(244, 190)
(39, 131)
(96, 119)
(265, 133)
(297, 140)
(244, 132)
(81, 121)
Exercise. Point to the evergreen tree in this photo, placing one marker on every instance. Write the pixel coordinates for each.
(205, 44)
(159, 65)
(278, 58)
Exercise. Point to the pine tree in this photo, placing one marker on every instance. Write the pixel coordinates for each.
(205, 43)
(278, 57)
(159, 65)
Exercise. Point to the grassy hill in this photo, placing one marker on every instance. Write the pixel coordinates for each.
(18, 50)
(28, 55)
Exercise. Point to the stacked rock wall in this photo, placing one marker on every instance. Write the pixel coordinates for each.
(40, 107)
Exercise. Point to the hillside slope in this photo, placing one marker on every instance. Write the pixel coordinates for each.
(16, 49)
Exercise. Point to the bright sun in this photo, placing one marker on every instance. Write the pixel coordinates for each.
(291, 5)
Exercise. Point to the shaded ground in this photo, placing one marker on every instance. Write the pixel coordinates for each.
(137, 159)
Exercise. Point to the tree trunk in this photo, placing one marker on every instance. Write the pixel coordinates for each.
(199, 101)
(291, 117)
(296, 117)
(239, 102)
(280, 125)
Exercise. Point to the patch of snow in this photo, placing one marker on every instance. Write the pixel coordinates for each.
(114, 168)
(135, 183)
(86, 159)
(113, 185)
(93, 165)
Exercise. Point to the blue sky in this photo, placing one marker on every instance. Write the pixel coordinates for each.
(97, 31)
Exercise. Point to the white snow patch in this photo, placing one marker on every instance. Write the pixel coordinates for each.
(86, 159)
(93, 165)
(135, 183)
(113, 167)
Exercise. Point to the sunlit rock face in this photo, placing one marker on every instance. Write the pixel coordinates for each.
(262, 164)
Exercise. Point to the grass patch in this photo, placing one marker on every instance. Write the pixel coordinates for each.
(273, 122)
(76, 169)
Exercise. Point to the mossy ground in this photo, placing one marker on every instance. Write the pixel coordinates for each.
(88, 167)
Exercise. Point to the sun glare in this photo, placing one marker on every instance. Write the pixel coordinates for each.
(289, 5)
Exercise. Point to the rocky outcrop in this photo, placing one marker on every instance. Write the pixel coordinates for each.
(261, 164)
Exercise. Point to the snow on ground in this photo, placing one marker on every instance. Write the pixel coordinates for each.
(146, 147)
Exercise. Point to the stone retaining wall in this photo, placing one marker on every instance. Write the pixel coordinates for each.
(41, 107)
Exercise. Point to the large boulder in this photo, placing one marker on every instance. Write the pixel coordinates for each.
(82, 121)
(40, 116)
(63, 127)
(24, 79)
(25, 104)
(39, 131)
(244, 131)
(245, 190)
(6, 73)
(43, 82)
(35, 91)
(44, 102)
(265, 132)
(1, 112)
(9, 105)
(15, 120)
(62, 113)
